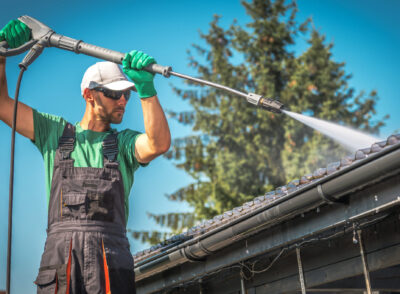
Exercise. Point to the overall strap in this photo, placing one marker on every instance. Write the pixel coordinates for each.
(66, 143)
(110, 150)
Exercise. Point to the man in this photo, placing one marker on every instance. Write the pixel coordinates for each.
(89, 172)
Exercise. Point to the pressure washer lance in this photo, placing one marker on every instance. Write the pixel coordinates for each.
(43, 36)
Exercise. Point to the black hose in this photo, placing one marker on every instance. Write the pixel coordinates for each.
(11, 186)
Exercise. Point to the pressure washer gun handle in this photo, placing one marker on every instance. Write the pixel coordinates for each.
(5, 51)
(39, 32)
(34, 53)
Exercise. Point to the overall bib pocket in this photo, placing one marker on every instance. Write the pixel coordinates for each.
(73, 206)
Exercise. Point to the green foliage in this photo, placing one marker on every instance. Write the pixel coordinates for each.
(241, 151)
(152, 237)
(175, 221)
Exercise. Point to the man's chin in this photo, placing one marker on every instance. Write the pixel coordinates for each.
(117, 120)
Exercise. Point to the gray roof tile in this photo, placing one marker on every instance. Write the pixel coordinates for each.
(332, 167)
(360, 155)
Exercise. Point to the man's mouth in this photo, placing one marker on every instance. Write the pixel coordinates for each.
(122, 110)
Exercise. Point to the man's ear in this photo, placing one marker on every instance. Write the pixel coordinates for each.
(88, 96)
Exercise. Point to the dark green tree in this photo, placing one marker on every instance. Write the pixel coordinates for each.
(239, 151)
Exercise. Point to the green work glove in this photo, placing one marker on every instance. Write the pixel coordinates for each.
(16, 33)
(132, 65)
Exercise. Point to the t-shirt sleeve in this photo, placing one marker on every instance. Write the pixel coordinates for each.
(126, 142)
(48, 129)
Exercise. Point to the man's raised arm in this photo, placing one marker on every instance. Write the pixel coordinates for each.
(157, 138)
(12, 34)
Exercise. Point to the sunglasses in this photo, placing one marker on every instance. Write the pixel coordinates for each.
(115, 95)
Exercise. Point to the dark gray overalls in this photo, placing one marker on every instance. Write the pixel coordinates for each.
(86, 250)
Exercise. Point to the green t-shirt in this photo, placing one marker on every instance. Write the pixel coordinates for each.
(87, 151)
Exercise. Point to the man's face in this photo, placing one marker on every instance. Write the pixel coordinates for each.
(107, 109)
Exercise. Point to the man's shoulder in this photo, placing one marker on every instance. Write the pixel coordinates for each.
(49, 122)
(49, 117)
(48, 129)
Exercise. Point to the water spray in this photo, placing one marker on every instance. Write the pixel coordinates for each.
(347, 137)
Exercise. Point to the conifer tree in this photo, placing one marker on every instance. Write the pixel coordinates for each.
(239, 151)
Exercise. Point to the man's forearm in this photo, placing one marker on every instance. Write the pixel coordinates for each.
(25, 114)
(156, 126)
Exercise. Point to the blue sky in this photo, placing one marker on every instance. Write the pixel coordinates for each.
(365, 34)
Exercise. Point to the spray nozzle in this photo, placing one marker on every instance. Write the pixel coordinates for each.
(266, 103)
(271, 105)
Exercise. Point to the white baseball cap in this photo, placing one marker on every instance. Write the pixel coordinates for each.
(106, 74)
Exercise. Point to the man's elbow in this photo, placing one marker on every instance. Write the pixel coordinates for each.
(160, 147)
(164, 146)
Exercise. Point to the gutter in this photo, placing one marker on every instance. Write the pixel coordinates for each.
(324, 191)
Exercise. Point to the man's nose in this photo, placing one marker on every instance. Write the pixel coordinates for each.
(122, 100)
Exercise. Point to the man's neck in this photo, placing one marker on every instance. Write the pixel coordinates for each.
(89, 122)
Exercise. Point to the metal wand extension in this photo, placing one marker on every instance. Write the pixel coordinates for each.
(255, 99)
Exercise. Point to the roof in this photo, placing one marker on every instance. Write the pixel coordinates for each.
(358, 193)
(248, 208)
